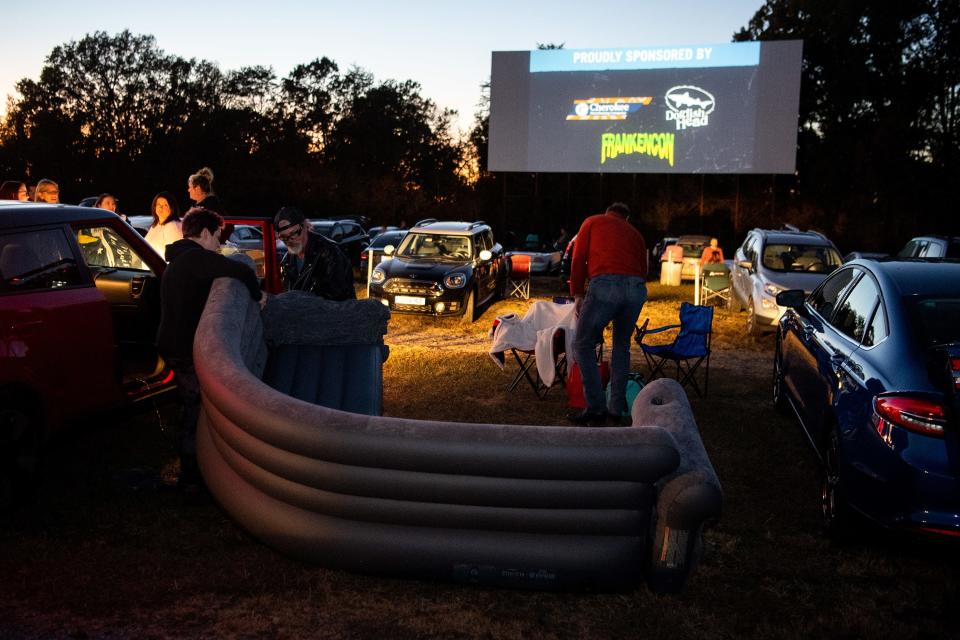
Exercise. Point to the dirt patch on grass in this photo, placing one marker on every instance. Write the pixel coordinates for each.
(98, 558)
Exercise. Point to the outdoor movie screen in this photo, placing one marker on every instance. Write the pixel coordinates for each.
(722, 108)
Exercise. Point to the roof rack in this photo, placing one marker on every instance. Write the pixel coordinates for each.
(790, 227)
(478, 223)
(425, 221)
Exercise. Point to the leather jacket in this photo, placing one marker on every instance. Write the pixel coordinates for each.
(326, 270)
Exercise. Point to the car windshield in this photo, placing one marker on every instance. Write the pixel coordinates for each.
(937, 320)
(434, 246)
(812, 258)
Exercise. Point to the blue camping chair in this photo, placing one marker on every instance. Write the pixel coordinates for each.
(688, 351)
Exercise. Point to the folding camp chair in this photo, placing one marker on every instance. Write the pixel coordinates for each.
(688, 351)
(715, 283)
(520, 276)
(527, 361)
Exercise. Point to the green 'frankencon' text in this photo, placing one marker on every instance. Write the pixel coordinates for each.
(658, 145)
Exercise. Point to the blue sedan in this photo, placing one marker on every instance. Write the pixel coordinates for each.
(869, 363)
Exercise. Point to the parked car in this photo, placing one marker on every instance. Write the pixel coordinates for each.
(442, 269)
(542, 263)
(79, 310)
(351, 237)
(657, 252)
(692, 246)
(869, 363)
(377, 247)
(373, 232)
(771, 261)
(932, 247)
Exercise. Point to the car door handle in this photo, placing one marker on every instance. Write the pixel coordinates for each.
(25, 328)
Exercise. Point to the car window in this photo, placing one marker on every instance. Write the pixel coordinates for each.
(824, 298)
(878, 328)
(800, 257)
(750, 253)
(853, 315)
(937, 320)
(36, 260)
(104, 247)
(432, 246)
(909, 250)
(488, 235)
(930, 250)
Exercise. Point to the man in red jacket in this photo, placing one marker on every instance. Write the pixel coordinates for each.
(613, 254)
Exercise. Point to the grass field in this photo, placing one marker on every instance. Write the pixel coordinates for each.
(107, 553)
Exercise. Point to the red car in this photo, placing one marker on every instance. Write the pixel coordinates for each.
(79, 310)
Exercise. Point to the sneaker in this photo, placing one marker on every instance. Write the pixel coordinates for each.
(587, 418)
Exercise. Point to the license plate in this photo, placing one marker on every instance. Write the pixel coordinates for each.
(410, 300)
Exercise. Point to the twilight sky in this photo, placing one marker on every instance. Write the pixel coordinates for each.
(445, 46)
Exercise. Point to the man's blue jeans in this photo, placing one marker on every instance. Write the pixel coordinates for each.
(616, 298)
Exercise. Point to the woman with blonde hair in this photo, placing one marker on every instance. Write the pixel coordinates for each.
(200, 188)
(166, 223)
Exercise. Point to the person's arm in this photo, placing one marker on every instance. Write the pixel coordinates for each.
(578, 264)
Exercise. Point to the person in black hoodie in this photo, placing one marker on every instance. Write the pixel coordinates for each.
(200, 188)
(194, 265)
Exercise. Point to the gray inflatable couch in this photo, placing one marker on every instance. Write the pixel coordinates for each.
(292, 445)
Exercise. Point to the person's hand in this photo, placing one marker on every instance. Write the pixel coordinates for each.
(263, 300)
(577, 303)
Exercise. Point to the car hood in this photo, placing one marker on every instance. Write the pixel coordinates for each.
(796, 280)
(399, 267)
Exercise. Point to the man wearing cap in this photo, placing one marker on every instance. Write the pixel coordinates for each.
(312, 263)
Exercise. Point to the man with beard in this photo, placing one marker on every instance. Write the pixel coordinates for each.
(313, 263)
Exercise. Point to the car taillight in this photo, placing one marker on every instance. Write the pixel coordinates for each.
(955, 372)
(917, 414)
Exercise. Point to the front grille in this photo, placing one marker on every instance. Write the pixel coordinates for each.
(411, 308)
(402, 286)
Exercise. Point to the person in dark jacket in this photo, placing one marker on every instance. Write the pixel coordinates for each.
(312, 263)
(194, 265)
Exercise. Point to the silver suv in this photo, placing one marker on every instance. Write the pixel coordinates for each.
(931, 247)
(769, 262)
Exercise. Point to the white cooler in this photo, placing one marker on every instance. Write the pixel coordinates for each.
(670, 273)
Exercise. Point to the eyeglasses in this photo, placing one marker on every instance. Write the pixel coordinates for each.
(290, 235)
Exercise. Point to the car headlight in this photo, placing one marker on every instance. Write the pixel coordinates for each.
(772, 289)
(455, 280)
(378, 276)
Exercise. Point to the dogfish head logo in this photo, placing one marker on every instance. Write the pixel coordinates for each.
(689, 106)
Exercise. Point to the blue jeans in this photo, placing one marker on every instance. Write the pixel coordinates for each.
(616, 298)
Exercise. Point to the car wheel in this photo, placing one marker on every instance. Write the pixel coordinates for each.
(838, 520)
(733, 302)
(780, 402)
(467, 316)
(19, 454)
(753, 322)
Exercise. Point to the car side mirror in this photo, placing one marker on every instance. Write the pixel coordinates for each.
(745, 264)
(485, 255)
(793, 298)
(389, 249)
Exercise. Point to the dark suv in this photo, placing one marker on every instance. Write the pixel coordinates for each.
(442, 269)
(79, 309)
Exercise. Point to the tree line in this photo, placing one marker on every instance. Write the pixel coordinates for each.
(116, 113)
(877, 153)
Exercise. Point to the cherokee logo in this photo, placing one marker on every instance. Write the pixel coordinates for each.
(657, 145)
(606, 108)
(689, 106)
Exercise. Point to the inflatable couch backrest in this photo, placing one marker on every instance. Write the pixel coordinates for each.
(326, 353)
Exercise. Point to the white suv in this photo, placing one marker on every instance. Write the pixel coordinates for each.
(771, 261)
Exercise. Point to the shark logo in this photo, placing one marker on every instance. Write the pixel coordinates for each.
(689, 106)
